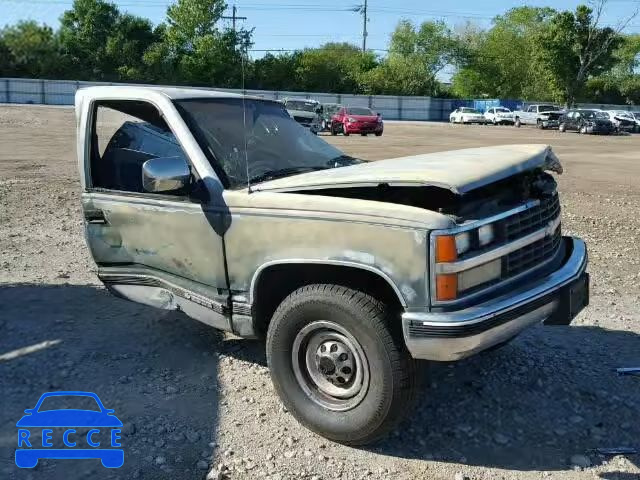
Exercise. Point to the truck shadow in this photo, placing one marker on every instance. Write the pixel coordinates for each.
(157, 370)
(549, 395)
(532, 405)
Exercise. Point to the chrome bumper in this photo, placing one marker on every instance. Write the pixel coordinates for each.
(447, 336)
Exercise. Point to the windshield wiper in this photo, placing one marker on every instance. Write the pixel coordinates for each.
(282, 172)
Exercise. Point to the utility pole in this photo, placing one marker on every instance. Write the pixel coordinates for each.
(362, 10)
(364, 27)
(233, 17)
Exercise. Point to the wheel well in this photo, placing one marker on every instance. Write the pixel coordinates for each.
(278, 281)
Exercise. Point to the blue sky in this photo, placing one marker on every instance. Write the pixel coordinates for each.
(291, 24)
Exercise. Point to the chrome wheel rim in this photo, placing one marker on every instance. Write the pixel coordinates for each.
(330, 366)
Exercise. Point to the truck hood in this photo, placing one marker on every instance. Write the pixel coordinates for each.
(458, 170)
(301, 113)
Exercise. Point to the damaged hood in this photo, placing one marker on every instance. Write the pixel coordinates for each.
(457, 170)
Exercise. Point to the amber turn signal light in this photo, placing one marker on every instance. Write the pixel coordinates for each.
(446, 286)
(446, 250)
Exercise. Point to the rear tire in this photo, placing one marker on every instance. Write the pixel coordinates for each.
(336, 365)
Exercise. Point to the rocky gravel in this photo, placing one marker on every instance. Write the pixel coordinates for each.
(199, 405)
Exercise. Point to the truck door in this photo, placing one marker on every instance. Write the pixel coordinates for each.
(156, 248)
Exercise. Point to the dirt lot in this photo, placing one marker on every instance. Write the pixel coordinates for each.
(192, 400)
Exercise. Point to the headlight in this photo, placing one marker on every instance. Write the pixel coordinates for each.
(449, 248)
(351, 120)
(486, 234)
(463, 242)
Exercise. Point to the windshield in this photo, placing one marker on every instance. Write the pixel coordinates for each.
(301, 105)
(276, 145)
(596, 114)
(67, 402)
(503, 110)
(469, 110)
(331, 108)
(548, 108)
(360, 111)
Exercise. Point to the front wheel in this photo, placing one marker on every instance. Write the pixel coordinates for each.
(540, 125)
(337, 366)
(562, 127)
(378, 134)
(517, 123)
(345, 132)
(583, 130)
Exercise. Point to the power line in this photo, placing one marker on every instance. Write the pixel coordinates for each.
(233, 17)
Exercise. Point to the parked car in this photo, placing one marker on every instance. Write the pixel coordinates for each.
(636, 116)
(622, 120)
(498, 115)
(305, 112)
(586, 121)
(360, 120)
(466, 115)
(351, 269)
(543, 116)
(327, 113)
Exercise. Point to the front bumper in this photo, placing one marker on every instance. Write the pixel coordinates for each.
(364, 128)
(555, 299)
(551, 123)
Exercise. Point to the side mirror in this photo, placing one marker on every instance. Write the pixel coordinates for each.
(165, 174)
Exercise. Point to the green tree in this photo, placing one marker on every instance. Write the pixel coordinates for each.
(31, 50)
(416, 56)
(502, 62)
(85, 30)
(189, 20)
(432, 44)
(276, 72)
(574, 48)
(192, 49)
(334, 67)
(7, 62)
(126, 46)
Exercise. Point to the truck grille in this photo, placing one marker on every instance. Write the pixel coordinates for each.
(532, 219)
(302, 120)
(532, 255)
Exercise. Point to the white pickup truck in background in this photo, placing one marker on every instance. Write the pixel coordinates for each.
(543, 116)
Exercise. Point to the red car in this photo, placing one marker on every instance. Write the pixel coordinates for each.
(360, 120)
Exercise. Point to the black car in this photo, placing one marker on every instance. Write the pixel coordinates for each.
(328, 111)
(586, 121)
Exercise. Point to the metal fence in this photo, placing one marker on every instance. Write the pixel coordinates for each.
(61, 92)
(391, 107)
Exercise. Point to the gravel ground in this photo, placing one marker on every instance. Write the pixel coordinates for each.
(196, 404)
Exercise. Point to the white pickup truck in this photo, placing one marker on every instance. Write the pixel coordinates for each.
(543, 116)
(224, 208)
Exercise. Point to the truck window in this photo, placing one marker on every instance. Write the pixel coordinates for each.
(125, 135)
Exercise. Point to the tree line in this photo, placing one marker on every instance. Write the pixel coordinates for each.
(527, 53)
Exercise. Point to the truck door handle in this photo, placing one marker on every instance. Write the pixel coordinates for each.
(95, 217)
